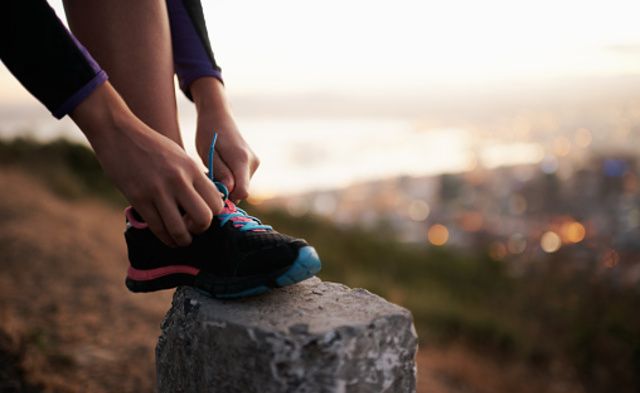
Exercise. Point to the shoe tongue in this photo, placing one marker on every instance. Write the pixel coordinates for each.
(230, 208)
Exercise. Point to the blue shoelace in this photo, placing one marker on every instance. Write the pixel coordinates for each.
(248, 223)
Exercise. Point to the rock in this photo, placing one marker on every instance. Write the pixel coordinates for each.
(313, 337)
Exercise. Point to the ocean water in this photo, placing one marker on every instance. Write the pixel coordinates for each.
(302, 154)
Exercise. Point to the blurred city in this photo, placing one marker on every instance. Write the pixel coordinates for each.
(578, 197)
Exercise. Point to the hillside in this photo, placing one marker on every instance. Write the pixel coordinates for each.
(68, 324)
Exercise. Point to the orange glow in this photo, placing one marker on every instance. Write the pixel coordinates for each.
(472, 221)
(497, 251)
(573, 232)
(438, 235)
(550, 242)
(610, 259)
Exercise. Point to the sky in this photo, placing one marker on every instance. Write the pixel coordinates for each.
(373, 48)
(374, 45)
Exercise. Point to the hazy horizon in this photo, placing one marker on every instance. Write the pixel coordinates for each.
(339, 92)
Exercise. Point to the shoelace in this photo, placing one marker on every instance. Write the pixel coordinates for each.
(241, 220)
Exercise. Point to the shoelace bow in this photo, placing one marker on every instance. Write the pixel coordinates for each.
(230, 212)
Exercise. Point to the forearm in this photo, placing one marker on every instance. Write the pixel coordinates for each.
(102, 115)
(152, 171)
(214, 113)
(209, 96)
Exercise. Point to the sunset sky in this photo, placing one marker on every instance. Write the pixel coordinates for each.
(410, 45)
(371, 48)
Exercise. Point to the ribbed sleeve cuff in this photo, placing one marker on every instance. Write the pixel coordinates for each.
(187, 78)
(72, 102)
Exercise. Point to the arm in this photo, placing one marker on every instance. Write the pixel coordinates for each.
(201, 81)
(45, 57)
(153, 173)
(192, 54)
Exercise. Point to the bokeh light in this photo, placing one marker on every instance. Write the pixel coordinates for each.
(472, 221)
(438, 235)
(573, 232)
(418, 210)
(549, 165)
(550, 242)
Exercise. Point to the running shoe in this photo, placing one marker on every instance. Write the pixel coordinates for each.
(237, 256)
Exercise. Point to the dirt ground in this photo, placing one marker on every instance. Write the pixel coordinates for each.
(68, 324)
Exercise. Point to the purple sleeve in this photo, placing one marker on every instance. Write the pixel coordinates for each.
(192, 53)
(43, 55)
(76, 98)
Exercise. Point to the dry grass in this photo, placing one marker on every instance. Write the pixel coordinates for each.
(62, 297)
(71, 326)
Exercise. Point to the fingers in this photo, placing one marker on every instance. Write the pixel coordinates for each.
(243, 165)
(173, 221)
(222, 172)
(152, 218)
(209, 194)
(200, 203)
(198, 214)
(242, 176)
(234, 162)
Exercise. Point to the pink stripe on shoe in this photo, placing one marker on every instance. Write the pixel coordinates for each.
(132, 220)
(152, 274)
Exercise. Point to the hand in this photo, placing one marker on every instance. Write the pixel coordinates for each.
(153, 172)
(234, 161)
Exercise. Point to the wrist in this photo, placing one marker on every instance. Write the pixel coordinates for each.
(209, 96)
(101, 114)
(224, 126)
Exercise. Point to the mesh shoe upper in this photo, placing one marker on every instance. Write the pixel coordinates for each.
(223, 250)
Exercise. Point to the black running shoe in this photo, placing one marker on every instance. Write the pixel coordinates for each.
(237, 256)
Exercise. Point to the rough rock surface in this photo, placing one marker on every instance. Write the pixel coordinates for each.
(313, 337)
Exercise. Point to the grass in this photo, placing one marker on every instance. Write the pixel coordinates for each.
(546, 316)
(70, 169)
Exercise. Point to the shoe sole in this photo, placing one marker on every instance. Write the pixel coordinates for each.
(306, 265)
